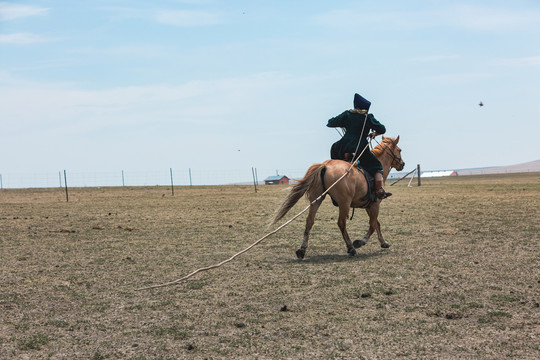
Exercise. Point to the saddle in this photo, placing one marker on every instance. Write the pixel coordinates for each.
(371, 196)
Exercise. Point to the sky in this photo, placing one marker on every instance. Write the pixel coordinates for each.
(111, 85)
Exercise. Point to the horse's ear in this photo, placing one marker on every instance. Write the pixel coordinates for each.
(397, 140)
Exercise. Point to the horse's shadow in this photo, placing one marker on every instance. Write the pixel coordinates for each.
(333, 258)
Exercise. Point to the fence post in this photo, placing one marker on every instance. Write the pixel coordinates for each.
(412, 177)
(172, 184)
(65, 182)
(190, 183)
(254, 182)
(403, 177)
(418, 174)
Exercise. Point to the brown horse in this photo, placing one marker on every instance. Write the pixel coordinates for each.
(348, 193)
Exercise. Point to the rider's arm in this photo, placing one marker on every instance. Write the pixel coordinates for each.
(376, 126)
(338, 121)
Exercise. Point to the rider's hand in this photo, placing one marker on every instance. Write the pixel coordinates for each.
(373, 135)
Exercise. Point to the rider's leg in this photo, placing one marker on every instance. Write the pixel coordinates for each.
(379, 190)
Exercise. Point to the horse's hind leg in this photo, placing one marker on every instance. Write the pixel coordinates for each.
(300, 253)
(342, 223)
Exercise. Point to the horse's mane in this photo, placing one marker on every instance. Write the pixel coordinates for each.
(378, 150)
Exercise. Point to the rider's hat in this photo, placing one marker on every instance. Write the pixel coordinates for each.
(360, 103)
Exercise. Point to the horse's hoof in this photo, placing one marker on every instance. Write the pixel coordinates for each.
(359, 243)
(385, 245)
(351, 252)
(300, 253)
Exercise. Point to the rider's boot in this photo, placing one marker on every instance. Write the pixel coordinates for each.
(379, 190)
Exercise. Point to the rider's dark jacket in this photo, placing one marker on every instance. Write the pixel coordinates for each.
(353, 121)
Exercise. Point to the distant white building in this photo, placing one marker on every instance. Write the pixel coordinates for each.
(439, 173)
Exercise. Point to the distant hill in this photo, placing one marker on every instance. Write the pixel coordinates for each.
(531, 166)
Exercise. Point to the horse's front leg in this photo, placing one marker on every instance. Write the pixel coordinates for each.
(373, 212)
(364, 240)
(371, 230)
(342, 223)
(300, 253)
(374, 225)
(383, 242)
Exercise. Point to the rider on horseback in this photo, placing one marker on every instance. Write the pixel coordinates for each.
(358, 124)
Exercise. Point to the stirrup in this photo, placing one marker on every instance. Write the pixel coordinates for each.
(383, 195)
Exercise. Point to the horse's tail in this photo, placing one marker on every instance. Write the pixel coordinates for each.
(311, 185)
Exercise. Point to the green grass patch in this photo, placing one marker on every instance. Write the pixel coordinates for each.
(493, 316)
(34, 342)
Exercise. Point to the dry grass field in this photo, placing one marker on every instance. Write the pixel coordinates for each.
(460, 280)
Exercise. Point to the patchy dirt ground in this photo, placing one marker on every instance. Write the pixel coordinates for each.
(461, 279)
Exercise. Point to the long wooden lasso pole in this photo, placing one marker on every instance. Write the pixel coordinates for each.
(267, 235)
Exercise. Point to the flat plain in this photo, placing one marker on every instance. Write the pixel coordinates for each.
(460, 280)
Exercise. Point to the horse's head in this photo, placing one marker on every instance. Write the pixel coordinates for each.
(394, 151)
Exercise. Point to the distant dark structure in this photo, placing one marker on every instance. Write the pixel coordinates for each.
(276, 180)
(481, 104)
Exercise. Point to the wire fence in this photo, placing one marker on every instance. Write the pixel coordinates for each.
(183, 177)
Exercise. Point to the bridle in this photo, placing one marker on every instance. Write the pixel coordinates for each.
(399, 160)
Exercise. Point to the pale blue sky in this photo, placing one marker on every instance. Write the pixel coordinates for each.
(146, 85)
